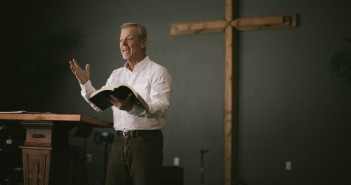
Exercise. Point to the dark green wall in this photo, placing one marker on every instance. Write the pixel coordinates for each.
(290, 106)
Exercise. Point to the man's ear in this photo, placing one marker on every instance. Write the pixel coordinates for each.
(143, 43)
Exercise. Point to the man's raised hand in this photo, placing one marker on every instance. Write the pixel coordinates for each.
(82, 75)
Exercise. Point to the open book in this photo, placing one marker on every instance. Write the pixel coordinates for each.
(101, 97)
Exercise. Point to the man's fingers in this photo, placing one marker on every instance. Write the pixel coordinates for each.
(111, 101)
(113, 98)
(116, 102)
(87, 67)
(73, 71)
(76, 64)
(129, 97)
(73, 65)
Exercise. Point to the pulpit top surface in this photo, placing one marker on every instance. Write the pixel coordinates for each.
(78, 118)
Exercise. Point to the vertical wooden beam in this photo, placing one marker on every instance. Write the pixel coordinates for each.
(228, 8)
(228, 95)
(228, 105)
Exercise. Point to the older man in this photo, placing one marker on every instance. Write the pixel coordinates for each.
(137, 151)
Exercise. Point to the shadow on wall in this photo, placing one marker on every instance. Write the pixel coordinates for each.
(30, 66)
(340, 64)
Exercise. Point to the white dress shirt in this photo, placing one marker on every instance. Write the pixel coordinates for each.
(153, 82)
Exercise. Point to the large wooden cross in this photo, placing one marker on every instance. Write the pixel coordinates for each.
(230, 26)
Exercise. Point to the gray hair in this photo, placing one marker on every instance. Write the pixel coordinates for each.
(141, 29)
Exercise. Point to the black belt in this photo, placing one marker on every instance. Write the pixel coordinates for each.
(133, 133)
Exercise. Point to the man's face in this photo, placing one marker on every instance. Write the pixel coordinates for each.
(131, 44)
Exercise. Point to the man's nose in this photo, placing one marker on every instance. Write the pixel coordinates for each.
(122, 42)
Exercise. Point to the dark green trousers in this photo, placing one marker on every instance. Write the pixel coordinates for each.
(136, 161)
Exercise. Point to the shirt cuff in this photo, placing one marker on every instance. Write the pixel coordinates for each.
(85, 87)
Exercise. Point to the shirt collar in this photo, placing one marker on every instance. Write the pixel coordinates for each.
(139, 66)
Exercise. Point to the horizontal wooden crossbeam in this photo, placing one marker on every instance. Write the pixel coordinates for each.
(241, 24)
(255, 23)
(198, 27)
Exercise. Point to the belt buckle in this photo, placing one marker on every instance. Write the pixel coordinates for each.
(125, 134)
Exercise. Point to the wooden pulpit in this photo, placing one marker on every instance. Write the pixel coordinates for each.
(45, 151)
